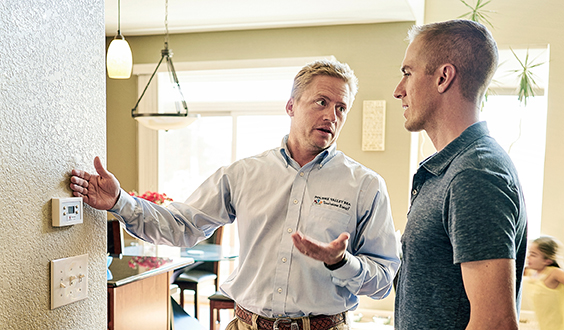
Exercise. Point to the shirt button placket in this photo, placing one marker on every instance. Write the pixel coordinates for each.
(283, 266)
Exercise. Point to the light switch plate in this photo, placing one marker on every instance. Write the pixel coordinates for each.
(66, 211)
(69, 280)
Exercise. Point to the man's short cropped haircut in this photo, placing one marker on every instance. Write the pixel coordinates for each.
(327, 68)
(467, 45)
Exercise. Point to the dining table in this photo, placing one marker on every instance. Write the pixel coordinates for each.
(202, 252)
(130, 271)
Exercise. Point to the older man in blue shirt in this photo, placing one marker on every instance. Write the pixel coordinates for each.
(315, 227)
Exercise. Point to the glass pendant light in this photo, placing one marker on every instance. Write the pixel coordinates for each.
(119, 59)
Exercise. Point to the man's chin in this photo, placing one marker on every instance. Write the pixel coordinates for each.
(410, 127)
(324, 145)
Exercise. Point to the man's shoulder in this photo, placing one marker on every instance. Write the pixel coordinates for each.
(267, 155)
(355, 165)
(483, 154)
(265, 160)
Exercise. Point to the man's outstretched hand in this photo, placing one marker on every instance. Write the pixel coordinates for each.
(100, 191)
(330, 253)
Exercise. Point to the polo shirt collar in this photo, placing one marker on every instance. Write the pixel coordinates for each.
(438, 162)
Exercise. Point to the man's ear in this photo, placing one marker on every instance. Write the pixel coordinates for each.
(447, 72)
(290, 107)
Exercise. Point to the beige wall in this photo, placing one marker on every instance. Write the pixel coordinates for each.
(52, 119)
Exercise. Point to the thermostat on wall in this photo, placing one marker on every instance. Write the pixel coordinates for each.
(66, 211)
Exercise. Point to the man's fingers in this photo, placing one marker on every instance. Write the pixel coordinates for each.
(79, 189)
(343, 238)
(76, 181)
(77, 194)
(100, 168)
(81, 174)
(298, 241)
(84, 197)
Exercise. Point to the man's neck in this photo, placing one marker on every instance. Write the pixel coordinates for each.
(451, 123)
(302, 156)
(447, 134)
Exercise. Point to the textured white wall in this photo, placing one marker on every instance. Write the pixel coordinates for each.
(52, 119)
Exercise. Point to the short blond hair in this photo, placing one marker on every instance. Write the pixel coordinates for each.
(326, 68)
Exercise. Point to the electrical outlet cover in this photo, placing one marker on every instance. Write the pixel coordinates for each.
(69, 280)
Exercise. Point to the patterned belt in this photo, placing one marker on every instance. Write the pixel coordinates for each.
(319, 322)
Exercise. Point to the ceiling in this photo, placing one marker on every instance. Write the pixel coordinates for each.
(146, 17)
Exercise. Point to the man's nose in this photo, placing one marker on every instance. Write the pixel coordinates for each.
(331, 114)
(399, 92)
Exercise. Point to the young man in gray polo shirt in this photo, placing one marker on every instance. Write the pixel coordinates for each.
(465, 240)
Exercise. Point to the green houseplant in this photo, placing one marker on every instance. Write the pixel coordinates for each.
(524, 74)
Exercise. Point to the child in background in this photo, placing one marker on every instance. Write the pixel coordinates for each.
(546, 280)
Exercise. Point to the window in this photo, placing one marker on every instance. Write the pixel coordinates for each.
(190, 155)
(242, 114)
(519, 129)
(522, 132)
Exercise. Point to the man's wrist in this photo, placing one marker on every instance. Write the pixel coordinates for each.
(113, 208)
(338, 264)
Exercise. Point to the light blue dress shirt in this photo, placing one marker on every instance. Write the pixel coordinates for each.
(272, 197)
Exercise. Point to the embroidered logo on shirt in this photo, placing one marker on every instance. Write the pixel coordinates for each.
(330, 201)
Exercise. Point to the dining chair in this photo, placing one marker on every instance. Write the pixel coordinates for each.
(218, 301)
(206, 271)
(115, 238)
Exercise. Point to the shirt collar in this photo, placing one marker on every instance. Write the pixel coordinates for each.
(322, 158)
(438, 162)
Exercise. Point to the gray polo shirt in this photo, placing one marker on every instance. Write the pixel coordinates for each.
(466, 205)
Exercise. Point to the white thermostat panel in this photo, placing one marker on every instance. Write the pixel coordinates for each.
(66, 211)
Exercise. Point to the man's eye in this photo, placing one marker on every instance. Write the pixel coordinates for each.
(342, 109)
(406, 74)
(321, 102)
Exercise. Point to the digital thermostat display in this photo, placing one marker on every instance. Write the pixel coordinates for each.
(67, 211)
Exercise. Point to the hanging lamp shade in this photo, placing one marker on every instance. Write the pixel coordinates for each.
(165, 119)
(166, 122)
(119, 59)
(177, 119)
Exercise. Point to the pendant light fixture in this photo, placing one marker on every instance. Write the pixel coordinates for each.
(166, 120)
(119, 58)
